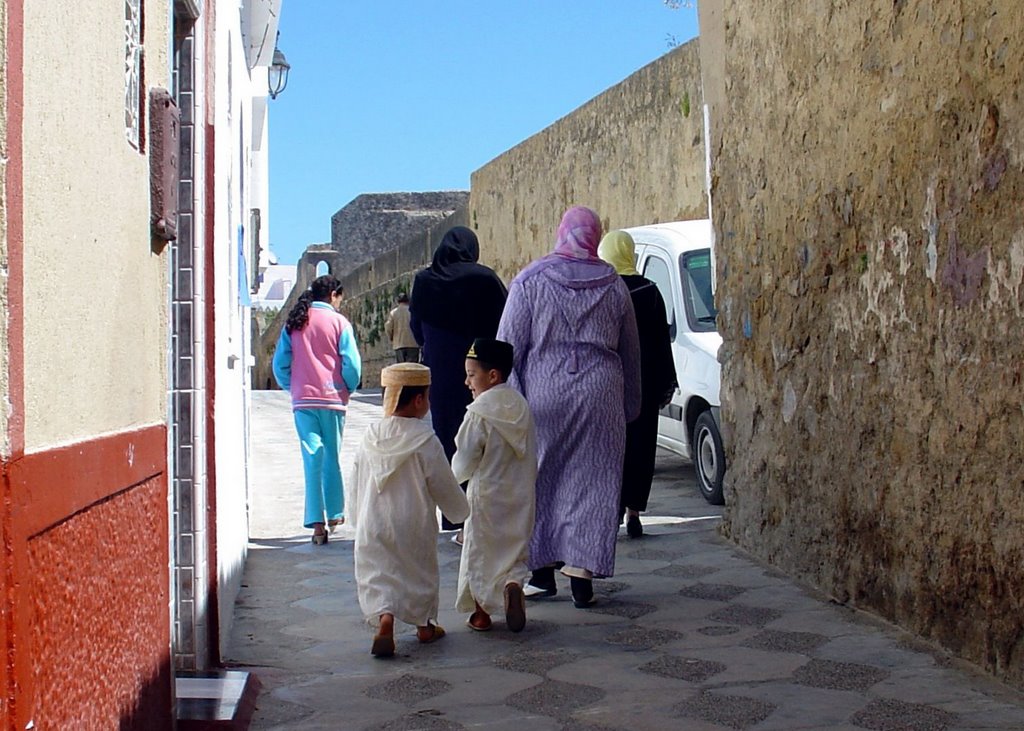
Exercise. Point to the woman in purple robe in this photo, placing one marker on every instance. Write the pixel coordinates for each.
(570, 321)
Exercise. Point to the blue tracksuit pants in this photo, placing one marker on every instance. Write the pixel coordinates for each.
(320, 438)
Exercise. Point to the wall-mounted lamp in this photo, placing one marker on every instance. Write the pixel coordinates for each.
(277, 74)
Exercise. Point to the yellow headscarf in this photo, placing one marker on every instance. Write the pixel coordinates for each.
(617, 248)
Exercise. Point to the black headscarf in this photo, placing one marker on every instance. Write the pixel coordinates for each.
(457, 294)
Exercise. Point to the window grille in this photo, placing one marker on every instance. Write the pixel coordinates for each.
(133, 53)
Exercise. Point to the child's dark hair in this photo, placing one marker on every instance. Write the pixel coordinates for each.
(319, 291)
(505, 372)
(408, 393)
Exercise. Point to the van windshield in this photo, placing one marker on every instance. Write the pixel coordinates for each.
(695, 271)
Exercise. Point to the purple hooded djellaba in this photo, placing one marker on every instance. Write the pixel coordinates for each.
(570, 320)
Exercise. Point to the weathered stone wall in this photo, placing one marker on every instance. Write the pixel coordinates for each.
(375, 285)
(375, 223)
(868, 179)
(635, 154)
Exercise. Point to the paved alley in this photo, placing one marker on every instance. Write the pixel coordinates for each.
(689, 634)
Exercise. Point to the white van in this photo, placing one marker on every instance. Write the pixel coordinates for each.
(677, 258)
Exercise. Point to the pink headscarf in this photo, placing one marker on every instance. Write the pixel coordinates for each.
(579, 234)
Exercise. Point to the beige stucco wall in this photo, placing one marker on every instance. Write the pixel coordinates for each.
(635, 154)
(869, 174)
(95, 294)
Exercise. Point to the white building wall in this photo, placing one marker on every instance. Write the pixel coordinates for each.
(241, 175)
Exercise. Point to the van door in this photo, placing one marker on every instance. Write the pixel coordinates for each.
(671, 422)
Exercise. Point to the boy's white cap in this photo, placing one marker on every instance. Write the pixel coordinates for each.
(401, 374)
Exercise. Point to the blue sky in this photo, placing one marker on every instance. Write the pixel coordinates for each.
(415, 96)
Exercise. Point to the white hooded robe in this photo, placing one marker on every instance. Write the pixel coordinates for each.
(399, 480)
(496, 451)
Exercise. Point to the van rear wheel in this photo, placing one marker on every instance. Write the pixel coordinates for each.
(709, 458)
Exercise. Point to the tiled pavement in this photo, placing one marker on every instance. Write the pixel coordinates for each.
(689, 634)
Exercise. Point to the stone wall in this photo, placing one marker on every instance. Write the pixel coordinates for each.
(375, 285)
(374, 223)
(868, 179)
(635, 154)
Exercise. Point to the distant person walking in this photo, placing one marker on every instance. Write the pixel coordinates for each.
(454, 301)
(407, 350)
(318, 362)
(570, 322)
(657, 377)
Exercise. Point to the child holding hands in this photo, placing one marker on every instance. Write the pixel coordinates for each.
(400, 478)
(496, 452)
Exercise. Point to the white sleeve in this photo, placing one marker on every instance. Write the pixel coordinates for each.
(441, 483)
(469, 447)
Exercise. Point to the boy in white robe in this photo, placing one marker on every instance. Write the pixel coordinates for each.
(496, 451)
(399, 480)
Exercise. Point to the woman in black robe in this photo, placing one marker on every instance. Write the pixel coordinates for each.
(657, 373)
(454, 301)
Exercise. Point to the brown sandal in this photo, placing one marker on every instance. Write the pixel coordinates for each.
(383, 646)
(515, 607)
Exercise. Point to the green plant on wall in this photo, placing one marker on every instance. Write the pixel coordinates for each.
(373, 309)
(684, 104)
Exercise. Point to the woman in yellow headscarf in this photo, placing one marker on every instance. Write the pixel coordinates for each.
(657, 373)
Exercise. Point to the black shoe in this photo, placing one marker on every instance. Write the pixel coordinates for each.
(633, 527)
(541, 584)
(582, 592)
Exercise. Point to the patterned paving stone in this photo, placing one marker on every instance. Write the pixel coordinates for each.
(642, 638)
(537, 662)
(578, 726)
(408, 689)
(733, 711)
(718, 630)
(652, 554)
(534, 628)
(713, 592)
(418, 722)
(684, 572)
(839, 675)
(892, 715)
(742, 614)
(776, 641)
(630, 610)
(683, 668)
(555, 698)
(609, 587)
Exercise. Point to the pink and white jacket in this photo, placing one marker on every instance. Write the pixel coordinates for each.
(319, 364)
